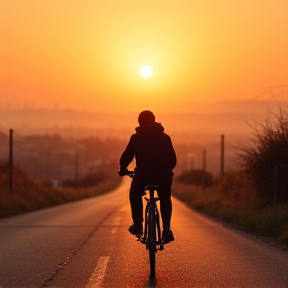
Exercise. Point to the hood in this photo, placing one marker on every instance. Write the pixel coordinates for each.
(152, 128)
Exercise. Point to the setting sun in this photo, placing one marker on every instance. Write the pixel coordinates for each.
(146, 71)
(91, 55)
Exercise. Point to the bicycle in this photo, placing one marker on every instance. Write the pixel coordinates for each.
(151, 236)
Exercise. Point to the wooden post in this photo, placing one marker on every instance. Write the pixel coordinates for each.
(204, 160)
(204, 169)
(49, 166)
(276, 185)
(76, 169)
(11, 161)
(222, 157)
(192, 163)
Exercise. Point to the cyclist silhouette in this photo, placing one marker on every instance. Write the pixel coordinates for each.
(155, 160)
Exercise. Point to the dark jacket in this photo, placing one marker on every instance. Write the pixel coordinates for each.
(152, 149)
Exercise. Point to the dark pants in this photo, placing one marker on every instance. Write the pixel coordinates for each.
(142, 179)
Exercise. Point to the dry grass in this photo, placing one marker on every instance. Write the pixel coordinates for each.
(235, 201)
(29, 194)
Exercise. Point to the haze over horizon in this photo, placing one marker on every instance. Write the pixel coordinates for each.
(231, 118)
(86, 55)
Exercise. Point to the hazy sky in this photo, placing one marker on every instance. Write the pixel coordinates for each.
(86, 54)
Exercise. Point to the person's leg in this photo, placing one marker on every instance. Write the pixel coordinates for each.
(166, 211)
(136, 204)
(165, 200)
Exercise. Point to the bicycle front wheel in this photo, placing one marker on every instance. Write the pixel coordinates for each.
(152, 242)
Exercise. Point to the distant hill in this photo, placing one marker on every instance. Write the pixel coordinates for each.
(204, 119)
(191, 132)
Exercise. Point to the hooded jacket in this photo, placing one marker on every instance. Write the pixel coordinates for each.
(152, 149)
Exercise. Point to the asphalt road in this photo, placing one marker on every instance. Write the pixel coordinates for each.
(86, 244)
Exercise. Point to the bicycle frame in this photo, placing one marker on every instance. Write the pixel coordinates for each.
(152, 232)
(151, 212)
(151, 237)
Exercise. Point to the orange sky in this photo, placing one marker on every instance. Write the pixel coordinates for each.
(86, 54)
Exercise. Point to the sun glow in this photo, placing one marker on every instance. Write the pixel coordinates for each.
(78, 58)
(146, 71)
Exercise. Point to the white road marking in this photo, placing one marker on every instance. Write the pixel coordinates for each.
(114, 230)
(116, 223)
(97, 277)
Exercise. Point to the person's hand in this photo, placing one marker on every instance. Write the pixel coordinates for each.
(123, 171)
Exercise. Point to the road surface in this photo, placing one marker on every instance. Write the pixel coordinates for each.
(86, 244)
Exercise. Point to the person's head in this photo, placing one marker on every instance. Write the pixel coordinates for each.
(146, 117)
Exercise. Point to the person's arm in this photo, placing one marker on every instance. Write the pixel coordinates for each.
(171, 155)
(127, 156)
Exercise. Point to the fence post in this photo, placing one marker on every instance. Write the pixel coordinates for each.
(276, 185)
(204, 170)
(222, 157)
(11, 161)
(76, 169)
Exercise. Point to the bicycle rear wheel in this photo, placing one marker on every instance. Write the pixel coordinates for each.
(152, 241)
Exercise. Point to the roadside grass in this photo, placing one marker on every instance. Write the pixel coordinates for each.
(29, 194)
(243, 214)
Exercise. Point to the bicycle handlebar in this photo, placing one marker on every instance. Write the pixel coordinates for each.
(130, 173)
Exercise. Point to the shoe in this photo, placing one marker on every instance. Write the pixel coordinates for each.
(167, 236)
(136, 229)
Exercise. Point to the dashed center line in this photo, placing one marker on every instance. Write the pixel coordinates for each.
(114, 230)
(98, 274)
(97, 277)
(116, 223)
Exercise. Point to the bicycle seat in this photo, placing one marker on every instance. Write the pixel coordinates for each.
(152, 187)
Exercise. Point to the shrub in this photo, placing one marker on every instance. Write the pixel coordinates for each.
(266, 159)
(89, 180)
(236, 190)
(233, 201)
(196, 177)
(29, 194)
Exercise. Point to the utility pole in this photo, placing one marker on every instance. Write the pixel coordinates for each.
(204, 169)
(11, 161)
(222, 157)
(276, 185)
(76, 169)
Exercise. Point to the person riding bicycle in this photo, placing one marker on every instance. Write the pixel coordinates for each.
(155, 160)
